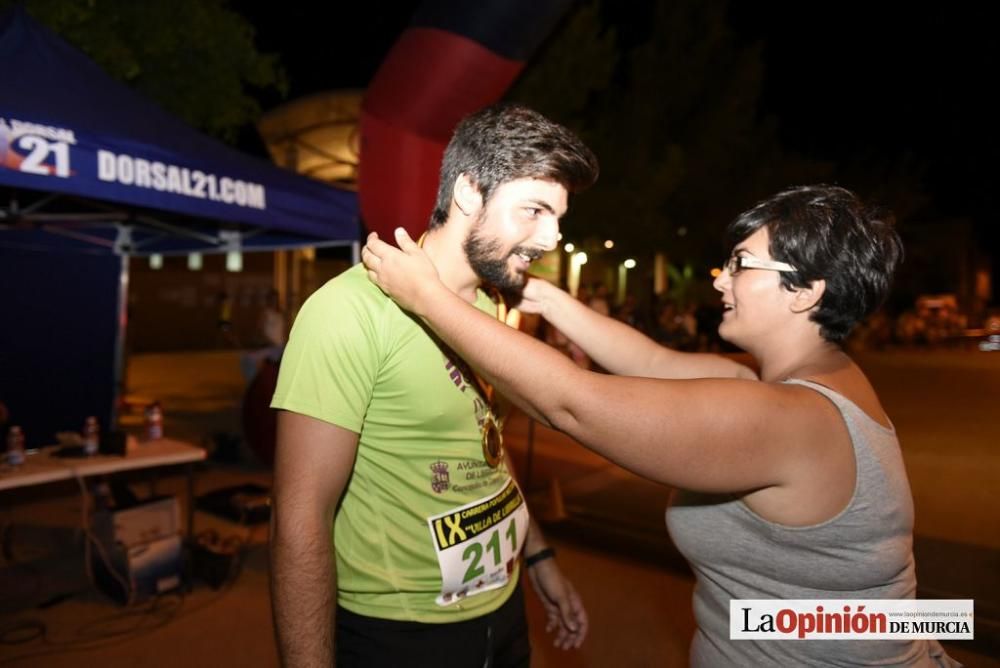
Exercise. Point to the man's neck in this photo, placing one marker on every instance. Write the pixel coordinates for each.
(443, 246)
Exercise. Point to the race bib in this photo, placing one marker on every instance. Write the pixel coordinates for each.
(478, 544)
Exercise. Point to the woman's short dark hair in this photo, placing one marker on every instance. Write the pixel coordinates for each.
(507, 142)
(828, 234)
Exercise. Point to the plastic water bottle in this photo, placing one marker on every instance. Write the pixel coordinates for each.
(154, 421)
(91, 436)
(15, 446)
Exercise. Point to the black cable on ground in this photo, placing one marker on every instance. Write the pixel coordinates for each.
(159, 610)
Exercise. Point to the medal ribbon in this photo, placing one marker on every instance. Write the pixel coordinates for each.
(491, 427)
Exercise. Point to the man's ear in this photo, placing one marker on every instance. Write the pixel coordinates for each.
(466, 195)
(805, 299)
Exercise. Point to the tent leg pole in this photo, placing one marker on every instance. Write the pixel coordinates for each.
(119, 378)
(355, 252)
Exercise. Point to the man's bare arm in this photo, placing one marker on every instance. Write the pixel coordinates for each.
(313, 463)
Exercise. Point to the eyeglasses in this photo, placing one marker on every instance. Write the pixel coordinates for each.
(737, 263)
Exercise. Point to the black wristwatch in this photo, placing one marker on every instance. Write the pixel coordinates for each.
(541, 555)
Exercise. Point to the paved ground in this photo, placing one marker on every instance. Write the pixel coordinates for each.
(607, 524)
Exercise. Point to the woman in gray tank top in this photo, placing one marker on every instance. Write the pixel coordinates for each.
(792, 482)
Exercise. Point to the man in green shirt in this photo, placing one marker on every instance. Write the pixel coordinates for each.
(388, 450)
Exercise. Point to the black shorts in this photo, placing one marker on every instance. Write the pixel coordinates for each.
(496, 640)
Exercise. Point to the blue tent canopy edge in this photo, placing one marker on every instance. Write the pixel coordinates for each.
(70, 131)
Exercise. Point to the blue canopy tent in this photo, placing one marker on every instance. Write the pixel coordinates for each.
(91, 173)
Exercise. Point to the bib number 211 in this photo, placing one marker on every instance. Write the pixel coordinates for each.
(475, 552)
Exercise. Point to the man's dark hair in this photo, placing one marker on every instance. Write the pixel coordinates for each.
(828, 234)
(507, 142)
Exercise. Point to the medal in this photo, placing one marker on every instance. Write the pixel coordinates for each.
(492, 441)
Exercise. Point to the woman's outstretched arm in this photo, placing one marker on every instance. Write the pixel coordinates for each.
(714, 435)
(617, 347)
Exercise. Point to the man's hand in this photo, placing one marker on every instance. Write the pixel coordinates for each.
(406, 274)
(563, 608)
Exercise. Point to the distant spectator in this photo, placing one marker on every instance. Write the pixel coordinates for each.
(910, 328)
(225, 336)
(630, 314)
(873, 334)
(599, 299)
(675, 327)
(271, 322)
(272, 329)
(708, 316)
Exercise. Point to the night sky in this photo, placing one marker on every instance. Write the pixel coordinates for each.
(847, 79)
(843, 80)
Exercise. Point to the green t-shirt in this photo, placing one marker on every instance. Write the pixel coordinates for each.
(426, 531)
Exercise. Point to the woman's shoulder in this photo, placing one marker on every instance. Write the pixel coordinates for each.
(850, 384)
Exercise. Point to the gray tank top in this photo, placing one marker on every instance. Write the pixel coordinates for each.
(865, 551)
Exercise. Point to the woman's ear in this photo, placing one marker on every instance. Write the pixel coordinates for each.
(805, 299)
(466, 196)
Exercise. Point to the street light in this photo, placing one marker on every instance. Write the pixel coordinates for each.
(234, 261)
(609, 244)
(573, 280)
(156, 261)
(231, 243)
(569, 248)
(623, 279)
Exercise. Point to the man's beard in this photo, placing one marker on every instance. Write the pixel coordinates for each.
(487, 259)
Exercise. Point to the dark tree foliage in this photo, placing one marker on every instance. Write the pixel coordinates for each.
(673, 116)
(196, 58)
